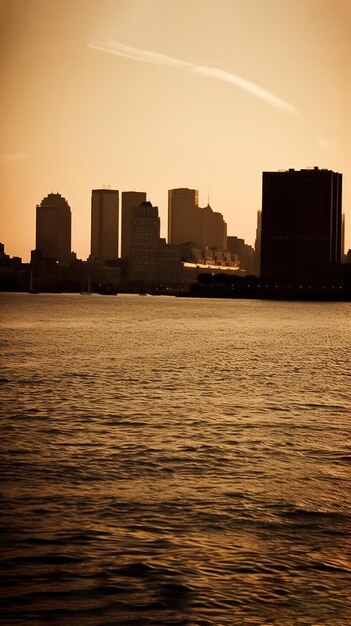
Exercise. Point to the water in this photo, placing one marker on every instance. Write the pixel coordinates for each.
(175, 461)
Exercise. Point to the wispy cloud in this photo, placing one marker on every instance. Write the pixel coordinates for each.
(148, 56)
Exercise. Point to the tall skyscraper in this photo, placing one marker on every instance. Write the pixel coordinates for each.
(130, 200)
(145, 242)
(53, 228)
(189, 223)
(183, 216)
(151, 261)
(104, 224)
(301, 223)
(213, 229)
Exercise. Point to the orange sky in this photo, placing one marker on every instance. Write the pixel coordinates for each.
(149, 95)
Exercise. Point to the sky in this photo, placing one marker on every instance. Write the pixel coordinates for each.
(151, 95)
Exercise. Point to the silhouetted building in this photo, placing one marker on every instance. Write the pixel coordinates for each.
(151, 261)
(143, 258)
(104, 224)
(4, 258)
(102, 276)
(212, 257)
(190, 224)
(130, 200)
(183, 216)
(244, 253)
(13, 273)
(169, 263)
(191, 253)
(301, 223)
(53, 228)
(213, 229)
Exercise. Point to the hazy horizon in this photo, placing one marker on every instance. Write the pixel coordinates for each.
(154, 95)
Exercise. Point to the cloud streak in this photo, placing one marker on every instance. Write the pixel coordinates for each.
(148, 56)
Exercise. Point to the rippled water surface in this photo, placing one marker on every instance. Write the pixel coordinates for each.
(174, 461)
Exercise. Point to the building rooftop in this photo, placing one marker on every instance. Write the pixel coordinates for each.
(54, 199)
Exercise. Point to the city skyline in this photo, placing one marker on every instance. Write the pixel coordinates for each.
(131, 94)
(111, 218)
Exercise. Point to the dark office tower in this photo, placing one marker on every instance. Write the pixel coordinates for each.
(130, 200)
(145, 242)
(53, 228)
(184, 223)
(301, 224)
(104, 224)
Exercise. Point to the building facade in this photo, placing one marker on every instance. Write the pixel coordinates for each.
(183, 216)
(244, 253)
(104, 224)
(143, 257)
(301, 223)
(152, 261)
(213, 229)
(53, 228)
(130, 200)
(190, 224)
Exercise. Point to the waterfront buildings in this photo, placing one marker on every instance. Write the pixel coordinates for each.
(130, 200)
(301, 224)
(53, 228)
(190, 224)
(244, 253)
(302, 231)
(151, 260)
(104, 224)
